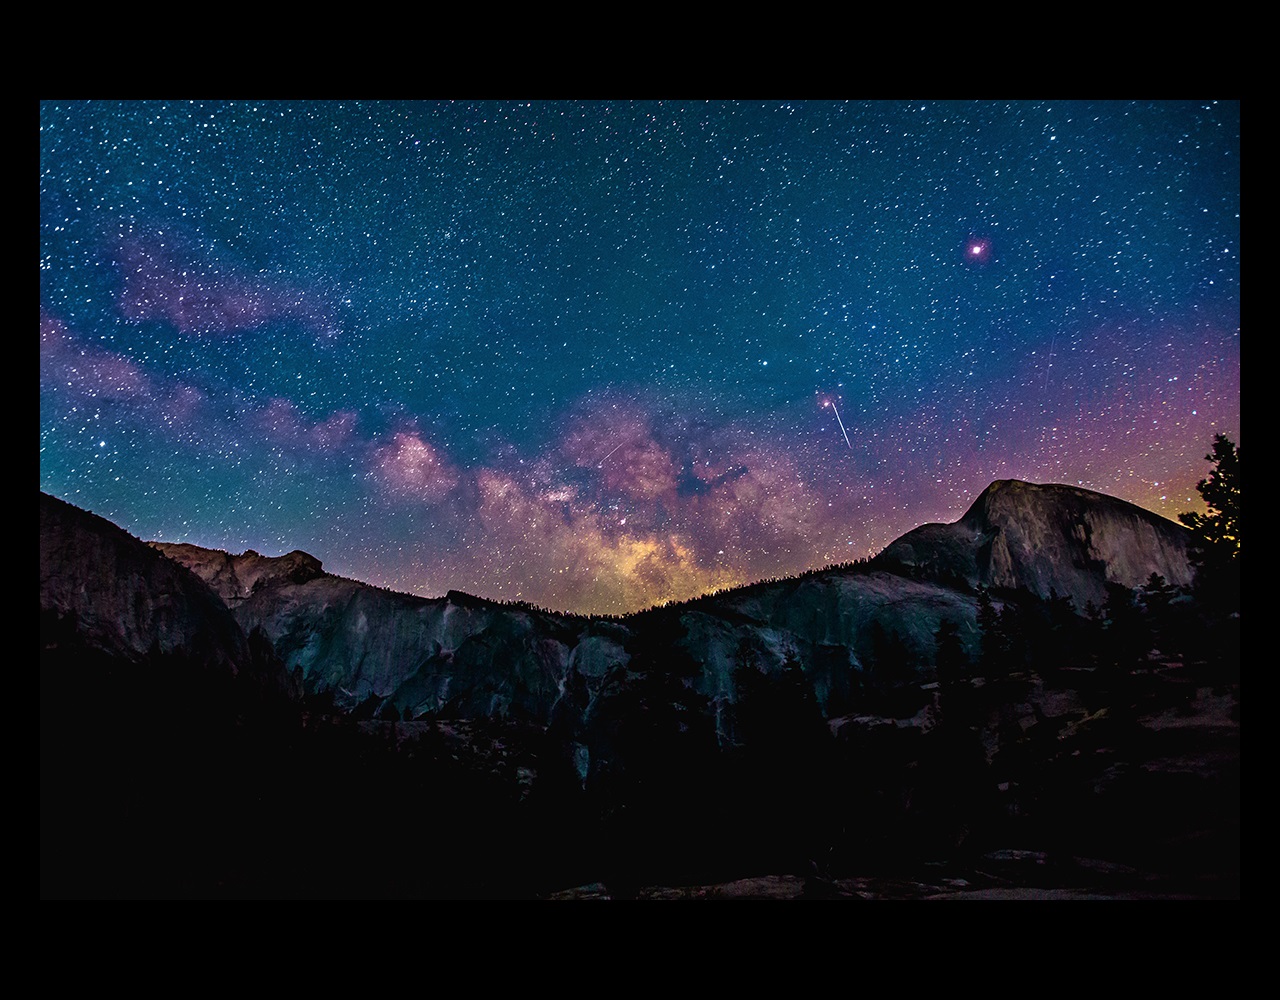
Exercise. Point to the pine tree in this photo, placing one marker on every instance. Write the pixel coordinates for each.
(890, 661)
(952, 662)
(1156, 597)
(1127, 635)
(1217, 532)
(1013, 633)
(993, 641)
(1215, 546)
(1063, 630)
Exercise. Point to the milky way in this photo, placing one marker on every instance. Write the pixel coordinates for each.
(589, 354)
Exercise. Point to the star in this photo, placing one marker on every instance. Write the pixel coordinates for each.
(978, 250)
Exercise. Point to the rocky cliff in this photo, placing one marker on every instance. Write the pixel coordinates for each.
(105, 591)
(1049, 537)
(124, 598)
(460, 656)
(235, 578)
(454, 656)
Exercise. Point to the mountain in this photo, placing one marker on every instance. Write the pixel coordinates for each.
(105, 591)
(235, 578)
(220, 725)
(153, 702)
(1049, 538)
(463, 656)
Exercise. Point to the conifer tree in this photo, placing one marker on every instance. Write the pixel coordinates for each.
(1217, 532)
(1215, 547)
(952, 662)
(992, 640)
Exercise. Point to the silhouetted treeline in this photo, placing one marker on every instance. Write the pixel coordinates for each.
(750, 589)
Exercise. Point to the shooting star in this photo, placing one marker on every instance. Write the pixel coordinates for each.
(831, 403)
(611, 451)
(1049, 364)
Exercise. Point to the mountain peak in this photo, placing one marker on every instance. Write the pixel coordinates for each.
(113, 593)
(1050, 537)
(1008, 494)
(235, 578)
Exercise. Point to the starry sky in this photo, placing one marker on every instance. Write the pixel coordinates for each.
(598, 355)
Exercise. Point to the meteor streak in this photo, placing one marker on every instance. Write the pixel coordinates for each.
(1052, 343)
(841, 422)
(611, 451)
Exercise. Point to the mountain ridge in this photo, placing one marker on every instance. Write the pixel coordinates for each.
(104, 590)
(235, 577)
(463, 655)
(817, 724)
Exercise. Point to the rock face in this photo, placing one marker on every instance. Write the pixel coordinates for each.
(103, 590)
(235, 578)
(826, 623)
(459, 656)
(124, 598)
(1049, 537)
(454, 656)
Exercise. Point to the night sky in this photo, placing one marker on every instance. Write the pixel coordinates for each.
(598, 355)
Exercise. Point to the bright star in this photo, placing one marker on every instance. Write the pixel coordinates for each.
(978, 249)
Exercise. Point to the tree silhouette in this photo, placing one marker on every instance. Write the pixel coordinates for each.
(1218, 531)
(657, 745)
(889, 661)
(1061, 631)
(993, 646)
(1215, 547)
(1127, 634)
(780, 767)
(1157, 599)
(1215, 553)
(1013, 633)
(952, 662)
